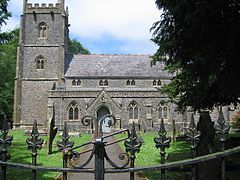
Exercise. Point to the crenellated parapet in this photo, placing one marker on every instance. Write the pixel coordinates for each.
(44, 8)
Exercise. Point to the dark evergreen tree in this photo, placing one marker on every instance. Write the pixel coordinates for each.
(199, 42)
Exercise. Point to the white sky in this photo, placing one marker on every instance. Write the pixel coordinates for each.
(92, 21)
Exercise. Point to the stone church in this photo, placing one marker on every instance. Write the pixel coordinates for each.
(52, 84)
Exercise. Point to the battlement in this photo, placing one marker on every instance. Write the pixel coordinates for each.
(43, 7)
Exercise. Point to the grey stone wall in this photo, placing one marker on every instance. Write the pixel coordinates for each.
(32, 84)
(89, 102)
(51, 64)
(34, 102)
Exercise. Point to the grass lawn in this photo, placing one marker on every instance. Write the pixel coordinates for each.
(150, 155)
(20, 154)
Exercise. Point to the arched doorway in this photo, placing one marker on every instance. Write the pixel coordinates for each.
(102, 111)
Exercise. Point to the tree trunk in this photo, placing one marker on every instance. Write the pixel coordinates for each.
(208, 170)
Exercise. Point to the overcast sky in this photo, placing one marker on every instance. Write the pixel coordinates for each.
(105, 26)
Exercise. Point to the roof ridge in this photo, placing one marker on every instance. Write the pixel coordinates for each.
(112, 55)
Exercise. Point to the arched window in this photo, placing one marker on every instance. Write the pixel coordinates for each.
(40, 60)
(162, 110)
(73, 111)
(133, 111)
(76, 111)
(154, 82)
(159, 82)
(42, 30)
(103, 82)
(165, 112)
(70, 113)
(160, 114)
(132, 83)
(78, 82)
(74, 83)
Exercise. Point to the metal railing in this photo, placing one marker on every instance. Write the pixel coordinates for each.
(132, 146)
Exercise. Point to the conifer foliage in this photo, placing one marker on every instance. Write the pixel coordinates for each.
(199, 41)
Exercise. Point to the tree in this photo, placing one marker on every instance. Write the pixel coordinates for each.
(199, 41)
(8, 55)
(4, 15)
(76, 47)
(6, 37)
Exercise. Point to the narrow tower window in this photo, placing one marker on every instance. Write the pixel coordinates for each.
(42, 30)
(40, 62)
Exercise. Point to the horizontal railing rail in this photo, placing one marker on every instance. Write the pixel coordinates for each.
(185, 162)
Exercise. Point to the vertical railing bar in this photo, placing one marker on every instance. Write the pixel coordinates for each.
(4, 152)
(194, 166)
(34, 144)
(132, 146)
(65, 146)
(5, 143)
(4, 168)
(132, 165)
(163, 162)
(223, 174)
(99, 159)
(193, 138)
(162, 142)
(65, 159)
(222, 128)
(34, 163)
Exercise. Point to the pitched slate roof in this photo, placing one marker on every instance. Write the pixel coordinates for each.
(115, 66)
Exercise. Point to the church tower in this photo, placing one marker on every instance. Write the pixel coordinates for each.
(41, 60)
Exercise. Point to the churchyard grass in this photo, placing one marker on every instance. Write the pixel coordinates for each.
(20, 154)
(150, 155)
